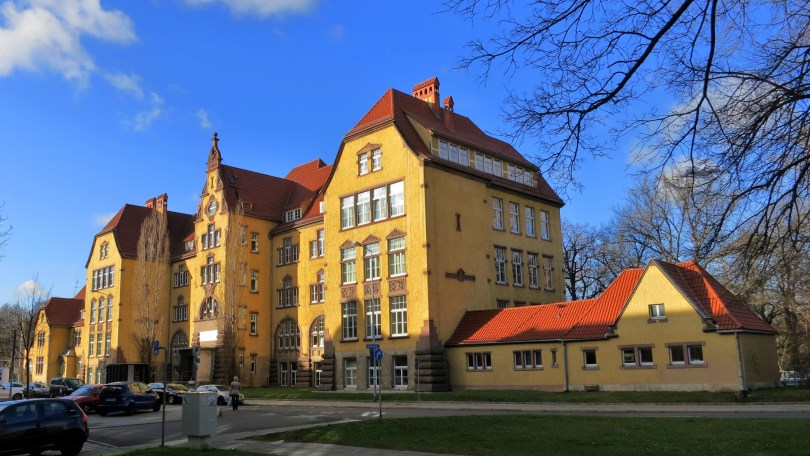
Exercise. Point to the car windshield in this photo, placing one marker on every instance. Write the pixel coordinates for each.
(83, 391)
(74, 383)
(112, 389)
(221, 388)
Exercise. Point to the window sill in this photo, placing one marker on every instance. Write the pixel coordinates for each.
(518, 285)
(590, 368)
(353, 339)
(634, 367)
(501, 283)
(548, 289)
(253, 334)
(398, 336)
(686, 366)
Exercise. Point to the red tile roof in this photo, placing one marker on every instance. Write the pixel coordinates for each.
(594, 318)
(126, 228)
(401, 108)
(63, 312)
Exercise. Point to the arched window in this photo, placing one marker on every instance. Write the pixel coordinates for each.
(289, 337)
(210, 308)
(316, 333)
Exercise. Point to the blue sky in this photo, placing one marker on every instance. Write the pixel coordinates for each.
(103, 104)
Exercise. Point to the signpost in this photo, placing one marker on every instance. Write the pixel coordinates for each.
(155, 350)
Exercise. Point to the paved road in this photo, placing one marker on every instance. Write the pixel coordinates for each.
(116, 433)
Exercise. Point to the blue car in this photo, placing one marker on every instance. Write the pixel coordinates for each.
(127, 397)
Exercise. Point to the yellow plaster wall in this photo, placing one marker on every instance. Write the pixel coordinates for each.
(503, 374)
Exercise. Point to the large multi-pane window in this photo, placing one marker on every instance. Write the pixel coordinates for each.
(363, 207)
(685, 354)
(210, 272)
(528, 359)
(316, 333)
(288, 294)
(347, 212)
(399, 316)
(454, 153)
(500, 265)
(40, 365)
(379, 204)
(396, 257)
(373, 317)
(534, 279)
(103, 278)
(288, 373)
(637, 356)
(349, 320)
(517, 268)
(254, 281)
(548, 279)
(371, 261)
(181, 310)
(531, 230)
(316, 246)
(212, 237)
(514, 217)
(479, 361)
(348, 267)
(497, 216)
(254, 323)
(93, 311)
(350, 372)
(400, 371)
(544, 228)
(288, 253)
(316, 289)
(181, 276)
(396, 199)
(289, 337)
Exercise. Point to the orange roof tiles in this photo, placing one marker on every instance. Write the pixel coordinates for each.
(63, 312)
(594, 318)
(126, 228)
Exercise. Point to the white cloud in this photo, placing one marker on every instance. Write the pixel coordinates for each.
(129, 83)
(103, 219)
(202, 115)
(30, 288)
(144, 119)
(260, 8)
(46, 34)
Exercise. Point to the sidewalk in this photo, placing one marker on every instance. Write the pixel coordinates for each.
(241, 440)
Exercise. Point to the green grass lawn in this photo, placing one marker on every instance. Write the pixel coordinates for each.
(659, 397)
(567, 435)
(174, 451)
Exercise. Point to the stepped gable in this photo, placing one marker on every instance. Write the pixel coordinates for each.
(401, 108)
(712, 299)
(126, 228)
(63, 312)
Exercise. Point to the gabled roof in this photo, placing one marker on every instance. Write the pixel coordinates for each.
(594, 318)
(402, 109)
(126, 228)
(64, 312)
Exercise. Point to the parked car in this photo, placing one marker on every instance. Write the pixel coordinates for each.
(11, 391)
(126, 397)
(62, 386)
(794, 378)
(36, 425)
(176, 392)
(222, 391)
(86, 397)
(37, 389)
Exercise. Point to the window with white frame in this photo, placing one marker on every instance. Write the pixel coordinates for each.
(497, 217)
(288, 294)
(40, 365)
(686, 354)
(657, 312)
(292, 215)
(637, 356)
(347, 212)
(181, 276)
(288, 253)
(368, 205)
(288, 373)
(316, 333)
(362, 164)
(108, 344)
(373, 372)
(350, 372)
(212, 237)
(396, 199)
(99, 342)
(93, 311)
(534, 277)
(517, 268)
(316, 289)
(376, 160)
(363, 207)
(209, 273)
(210, 308)
(254, 281)
(254, 323)
(379, 203)
(454, 152)
(589, 358)
(479, 361)
(348, 266)
(373, 318)
(500, 265)
(254, 242)
(91, 349)
(400, 371)
(545, 233)
(103, 278)
(514, 217)
(181, 309)
(289, 337)
(528, 359)
(371, 261)
(396, 257)
(531, 230)
(101, 310)
(548, 279)
(349, 320)
(399, 316)
(104, 251)
(501, 303)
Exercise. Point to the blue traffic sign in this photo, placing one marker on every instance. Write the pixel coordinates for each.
(373, 346)
(378, 354)
(155, 347)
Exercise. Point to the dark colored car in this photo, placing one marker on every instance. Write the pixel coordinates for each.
(127, 397)
(86, 397)
(31, 426)
(37, 389)
(62, 386)
(175, 392)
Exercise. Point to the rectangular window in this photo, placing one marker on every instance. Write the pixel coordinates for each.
(288, 253)
(288, 294)
(316, 293)
(530, 228)
(350, 372)
(376, 160)
(181, 277)
(40, 364)
(637, 356)
(92, 347)
(254, 281)
(252, 364)
(501, 303)
(396, 257)
(380, 203)
(93, 312)
(500, 265)
(548, 279)
(241, 357)
(534, 278)
(400, 371)
(657, 312)
(399, 316)
(347, 212)
(514, 217)
(589, 358)
(544, 228)
(350, 320)
(348, 271)
(463, 156)
(396, 199)
(292, 215)
(479, 361)
(254, 323)
(685, 354)
(497, 207)
(99, 342)
(444, 149)
(695, 354)
(517, 268)
(363, 208)
(528, 359)
(371, 261)
(373, 319)
(107, 344)
(362, 164)
(320, 242)
(254, 242)
(373, 372)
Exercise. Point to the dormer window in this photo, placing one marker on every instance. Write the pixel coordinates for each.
(292, 215)
(189, 245)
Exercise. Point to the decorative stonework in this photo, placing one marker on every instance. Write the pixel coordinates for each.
(371, 289)
(348, 293)
(397, 287)
(459, 275)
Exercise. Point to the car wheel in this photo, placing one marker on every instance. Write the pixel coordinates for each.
(221, 401)
(17, 397)
(130, 410)
(172, 400)
(72, 445)
(156, 407)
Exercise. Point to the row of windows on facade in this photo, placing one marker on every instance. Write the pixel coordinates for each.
(372, 205)
(398, 317)
(399, 372)
(517, 268)
(514, 219)
(94, 347)
(371, 261)
(486, 163)
(103, 278)
(97, 310)
(641, 356)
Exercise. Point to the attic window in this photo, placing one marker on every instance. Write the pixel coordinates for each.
(189, 245)
(294, 214)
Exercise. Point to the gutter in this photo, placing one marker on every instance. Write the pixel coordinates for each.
(565, 365)
(741, 365)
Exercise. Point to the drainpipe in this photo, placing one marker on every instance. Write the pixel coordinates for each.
(741, 365)
(565, 364)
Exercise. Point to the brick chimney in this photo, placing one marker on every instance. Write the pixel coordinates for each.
(428, 91)
(160, 203)
(448, 104)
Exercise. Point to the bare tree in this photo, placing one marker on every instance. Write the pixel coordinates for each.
(5, 233)
(729, 84)
(151, 287)
(29, 299)
(235, 288)
(584, 276)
